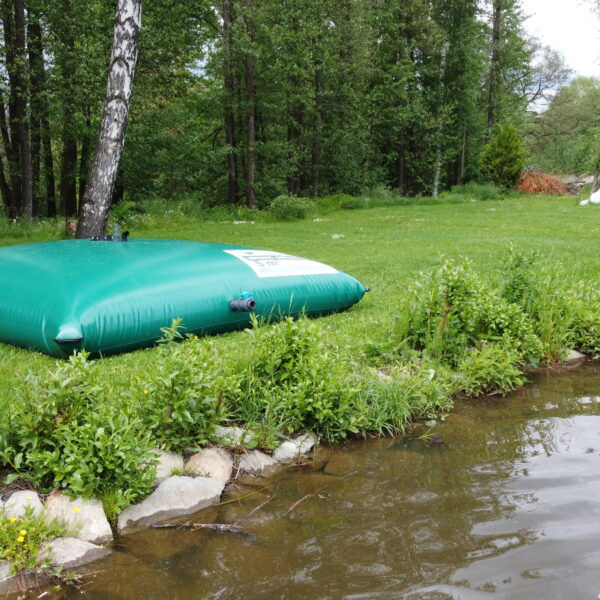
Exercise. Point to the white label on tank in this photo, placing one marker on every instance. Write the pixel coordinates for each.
(275, 264)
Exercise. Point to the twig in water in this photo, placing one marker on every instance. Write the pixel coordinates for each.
(193, 526)
(254, 510)
(241, 497)
(293, 506)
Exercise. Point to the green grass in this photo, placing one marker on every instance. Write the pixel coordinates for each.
(382, 247)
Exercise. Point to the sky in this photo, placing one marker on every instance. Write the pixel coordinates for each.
(570, 27)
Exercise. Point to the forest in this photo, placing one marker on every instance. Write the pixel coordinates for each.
(242, 101)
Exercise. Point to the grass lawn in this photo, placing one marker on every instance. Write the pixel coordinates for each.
(382, 247)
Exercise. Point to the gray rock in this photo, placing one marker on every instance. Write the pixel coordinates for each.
(174, 497)
(17, 503)
(574, 358)
(233, 437)
(215, 463)
(84, 519)
(14, 584)
(4, 572)
(291, 450)
(256, 462)
(71, 552)
(167, 463)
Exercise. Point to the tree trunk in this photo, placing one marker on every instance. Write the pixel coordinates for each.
(84, 159)
(20, 76)
(68, 158)
(100, 184)
(228, 82)
(463, 155)
(316, 146)
(11, 141)
(251, 117)
(39, 109)
(492, 91)
(440, 128)
(7, 193)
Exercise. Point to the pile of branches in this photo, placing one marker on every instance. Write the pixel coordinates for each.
(536, 182)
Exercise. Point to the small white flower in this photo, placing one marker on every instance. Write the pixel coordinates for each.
(337, 236)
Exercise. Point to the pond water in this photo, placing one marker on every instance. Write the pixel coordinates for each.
(508, 506)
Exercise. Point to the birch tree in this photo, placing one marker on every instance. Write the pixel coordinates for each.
(103, 173)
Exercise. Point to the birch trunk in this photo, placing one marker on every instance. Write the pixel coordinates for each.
(103, 173)
(440, 129)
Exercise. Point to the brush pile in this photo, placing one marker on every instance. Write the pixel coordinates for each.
(536, 182)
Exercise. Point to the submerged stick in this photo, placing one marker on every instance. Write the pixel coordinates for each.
(293, 506)
(193, 526)
(254, 510)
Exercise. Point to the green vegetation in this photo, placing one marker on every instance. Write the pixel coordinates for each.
(435, 324)
(503, 158)
(22, 537)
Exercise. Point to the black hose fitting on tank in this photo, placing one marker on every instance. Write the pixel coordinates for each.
(247, 304)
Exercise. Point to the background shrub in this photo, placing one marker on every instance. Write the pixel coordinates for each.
(503, 158)
(289, 208)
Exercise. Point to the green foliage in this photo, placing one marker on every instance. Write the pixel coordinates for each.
(181, 400)
(503, 158)
(62, 431)
(288, 208)
(296, 381)
(21, 539)
(492, 369)
(414, 390)
(565, 138)
(478, 191)
(452, 309)
(585, 328)
(541, 292)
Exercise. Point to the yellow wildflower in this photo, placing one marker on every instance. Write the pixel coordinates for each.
(76, 509)
(23, 532)
(12, 519)
(20, 539)
(146, 392)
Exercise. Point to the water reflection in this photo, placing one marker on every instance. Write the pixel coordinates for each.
(507, 507)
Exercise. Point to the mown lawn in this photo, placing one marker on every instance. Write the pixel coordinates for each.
(382, 247)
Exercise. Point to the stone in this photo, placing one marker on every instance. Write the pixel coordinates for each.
(256, 462)
(233, 437)
(167, 463)
(574, 358)
(174, 497)
(84, 519)
(71, 552)
(291, 450)
(16, 584)
(17, 503)
(216, 463)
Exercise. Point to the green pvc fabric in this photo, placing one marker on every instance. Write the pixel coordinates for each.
(109, 296)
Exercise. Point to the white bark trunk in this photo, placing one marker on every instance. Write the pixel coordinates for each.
(103, 172)
(440, 129)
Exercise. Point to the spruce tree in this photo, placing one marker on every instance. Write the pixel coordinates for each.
(503, 158)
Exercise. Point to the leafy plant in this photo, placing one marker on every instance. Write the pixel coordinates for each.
(21, 539)
(63, 432)
(451, 309)
(493, 368)
(181, 399)
(298, 382)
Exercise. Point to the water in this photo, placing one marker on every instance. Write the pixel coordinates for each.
(507, 507)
